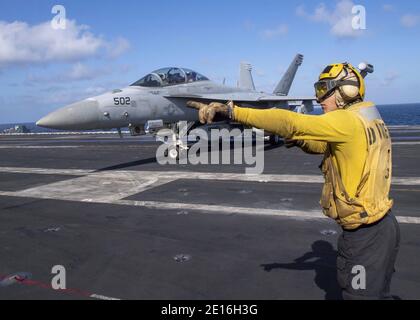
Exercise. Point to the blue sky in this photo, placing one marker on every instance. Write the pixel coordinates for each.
(109, 44)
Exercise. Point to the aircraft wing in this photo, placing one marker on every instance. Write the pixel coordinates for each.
(286, 98)
(240, 97)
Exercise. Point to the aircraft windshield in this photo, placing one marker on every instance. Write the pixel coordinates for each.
(169, 77)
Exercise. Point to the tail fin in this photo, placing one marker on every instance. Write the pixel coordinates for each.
(285, 83)
(245, 77)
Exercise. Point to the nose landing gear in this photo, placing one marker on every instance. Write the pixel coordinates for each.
(177, 140)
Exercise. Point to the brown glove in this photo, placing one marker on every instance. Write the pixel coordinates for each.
(290, 143)
(215, 111)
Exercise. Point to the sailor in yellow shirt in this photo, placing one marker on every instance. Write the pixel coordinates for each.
(357, 167)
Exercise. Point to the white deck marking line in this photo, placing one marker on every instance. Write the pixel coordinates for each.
(406, 143)
(174, 175)
(61, 133)
(300, 214)
(131, 147)
(409, 181)
(87, 146)
(407, 219)
(102, 297)
(403, 126)
(37, 147)
(216, 209)
(404, 130)
(75, 172)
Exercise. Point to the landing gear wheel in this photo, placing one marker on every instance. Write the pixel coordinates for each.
(174, 153)
(274, 140)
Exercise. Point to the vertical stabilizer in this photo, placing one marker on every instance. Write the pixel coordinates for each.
(245, 77)
(285, 83)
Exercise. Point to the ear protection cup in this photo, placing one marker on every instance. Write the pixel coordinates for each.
(350, 92)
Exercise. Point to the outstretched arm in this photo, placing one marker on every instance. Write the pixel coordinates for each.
(334, 126)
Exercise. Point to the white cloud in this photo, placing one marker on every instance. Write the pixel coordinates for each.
(320, 14)
(280, 30)
(389, 78)
(81, 72)
(55, 96)
(117, 48)
(410, 20)
(77, 72)
(339, 19)
(22, 43)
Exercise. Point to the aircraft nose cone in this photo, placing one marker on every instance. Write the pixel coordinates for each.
(77, 116)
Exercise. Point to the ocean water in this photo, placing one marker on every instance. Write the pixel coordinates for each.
(396, 114)
(393, 114)
(401, 114)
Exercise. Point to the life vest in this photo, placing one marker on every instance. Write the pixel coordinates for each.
(371, 201)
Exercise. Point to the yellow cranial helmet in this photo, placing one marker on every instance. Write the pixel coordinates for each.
(343, 77)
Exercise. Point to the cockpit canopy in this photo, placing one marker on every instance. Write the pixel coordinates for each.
(169, 77)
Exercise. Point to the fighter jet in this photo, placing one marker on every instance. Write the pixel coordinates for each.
(158, 100)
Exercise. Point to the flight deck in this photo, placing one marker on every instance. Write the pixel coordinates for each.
(125, 227)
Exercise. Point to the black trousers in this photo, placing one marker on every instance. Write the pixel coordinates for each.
(366, 259)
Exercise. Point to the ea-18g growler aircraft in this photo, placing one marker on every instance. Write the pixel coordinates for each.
(158, 100)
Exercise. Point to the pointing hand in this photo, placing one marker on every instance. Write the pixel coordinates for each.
(215, 111)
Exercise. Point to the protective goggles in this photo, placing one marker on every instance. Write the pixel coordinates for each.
(324, 88)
